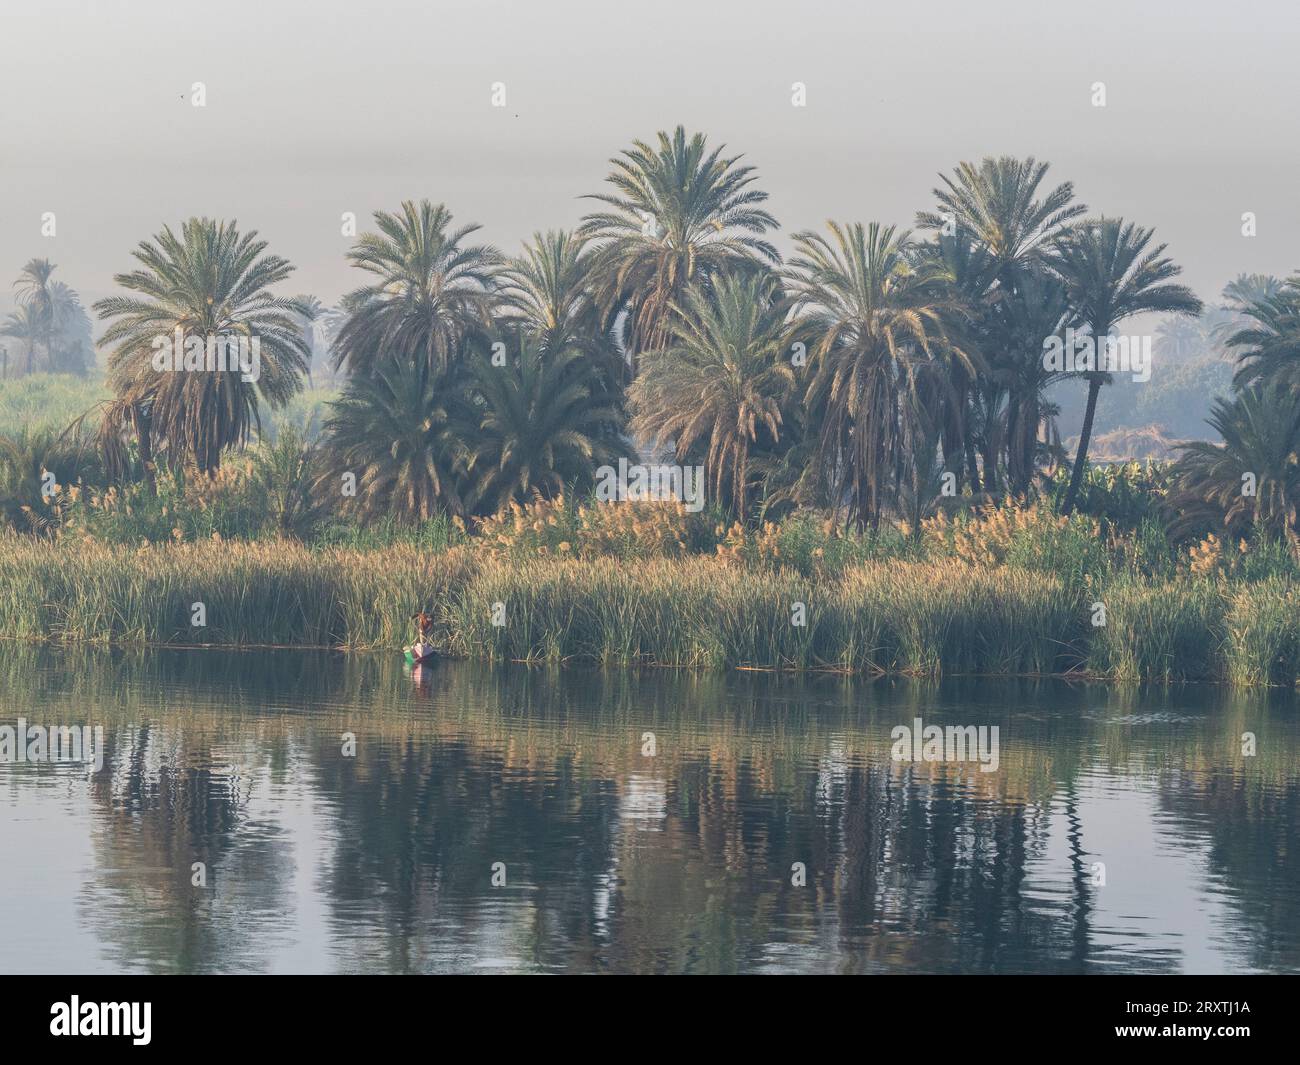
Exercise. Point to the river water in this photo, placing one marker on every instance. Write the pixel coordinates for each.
(308, 812)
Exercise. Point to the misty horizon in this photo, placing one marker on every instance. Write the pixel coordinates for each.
(293, 134)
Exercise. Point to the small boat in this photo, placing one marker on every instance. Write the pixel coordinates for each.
(420, 653)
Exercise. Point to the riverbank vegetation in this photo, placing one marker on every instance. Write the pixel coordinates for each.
(885, 487)
(1015, 590)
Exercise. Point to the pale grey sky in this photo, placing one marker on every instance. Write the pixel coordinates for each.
(323, 107)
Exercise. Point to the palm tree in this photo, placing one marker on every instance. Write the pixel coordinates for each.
(313, 309)
(123, 421)
(547, 290)
(921, 487)
(1037, 308)
(25, 324)
(208, 281)
(1220, 323)
(50, 312)
(1260, 428)
(996, 203)
(1245, 290)
(1111, 274)
(723, 382)
(71, 325)
(680, 215)
(541, 425)
(26, 457)
(995, 209)
(393, 432)
(1178, 337)
(286, 474)
(879, 325)
(33, 286)
(430, 293)
(329, 324)
(1268, 338)
(966, 271)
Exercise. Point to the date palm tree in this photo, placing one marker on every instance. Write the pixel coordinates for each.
(1252, 479)
(1036, 309)
(27, 457)
(1111, 272)
(122, 422)
(547, 291)
(1268, 338)
(997, 203)
(395, 433)
(285, 473)
(313, 310)
(965, 270)
(723, 384)
(71, 334)
(999, 208)
(541, 425)
(50, 312)
(679, 215)
(879, 324)
(208, 280)
(1178, 337)
(34, 290)
(1245, 290)
(431, 291)
(25, 324)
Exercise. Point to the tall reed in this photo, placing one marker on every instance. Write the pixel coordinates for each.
(693, 611)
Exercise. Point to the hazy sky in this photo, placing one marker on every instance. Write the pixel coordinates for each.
(318, 108)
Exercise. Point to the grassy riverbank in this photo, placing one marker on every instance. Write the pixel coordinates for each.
(908, 610)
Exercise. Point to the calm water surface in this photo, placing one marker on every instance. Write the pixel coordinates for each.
(614, 861)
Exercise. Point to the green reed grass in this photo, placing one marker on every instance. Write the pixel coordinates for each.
(252, 594)
(697, 612)
(1263, 633)
(1161, 631)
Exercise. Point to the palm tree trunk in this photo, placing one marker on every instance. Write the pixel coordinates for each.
(1027, 450)
(742, 475)
(952, 456)
(968, 442)
(144, 435)
(1081, 456)
(972, 466)
(952, 438)
(990, 469)
(1021, 445)
(1014, 464)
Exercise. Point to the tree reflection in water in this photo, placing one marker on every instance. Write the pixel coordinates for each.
(678, 862)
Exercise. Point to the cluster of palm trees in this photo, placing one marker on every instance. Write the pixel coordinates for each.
(1251, 481)
(852, 376)
(1181, 337)
(49, 319)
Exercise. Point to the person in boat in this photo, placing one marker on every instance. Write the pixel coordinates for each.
(423, 646)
